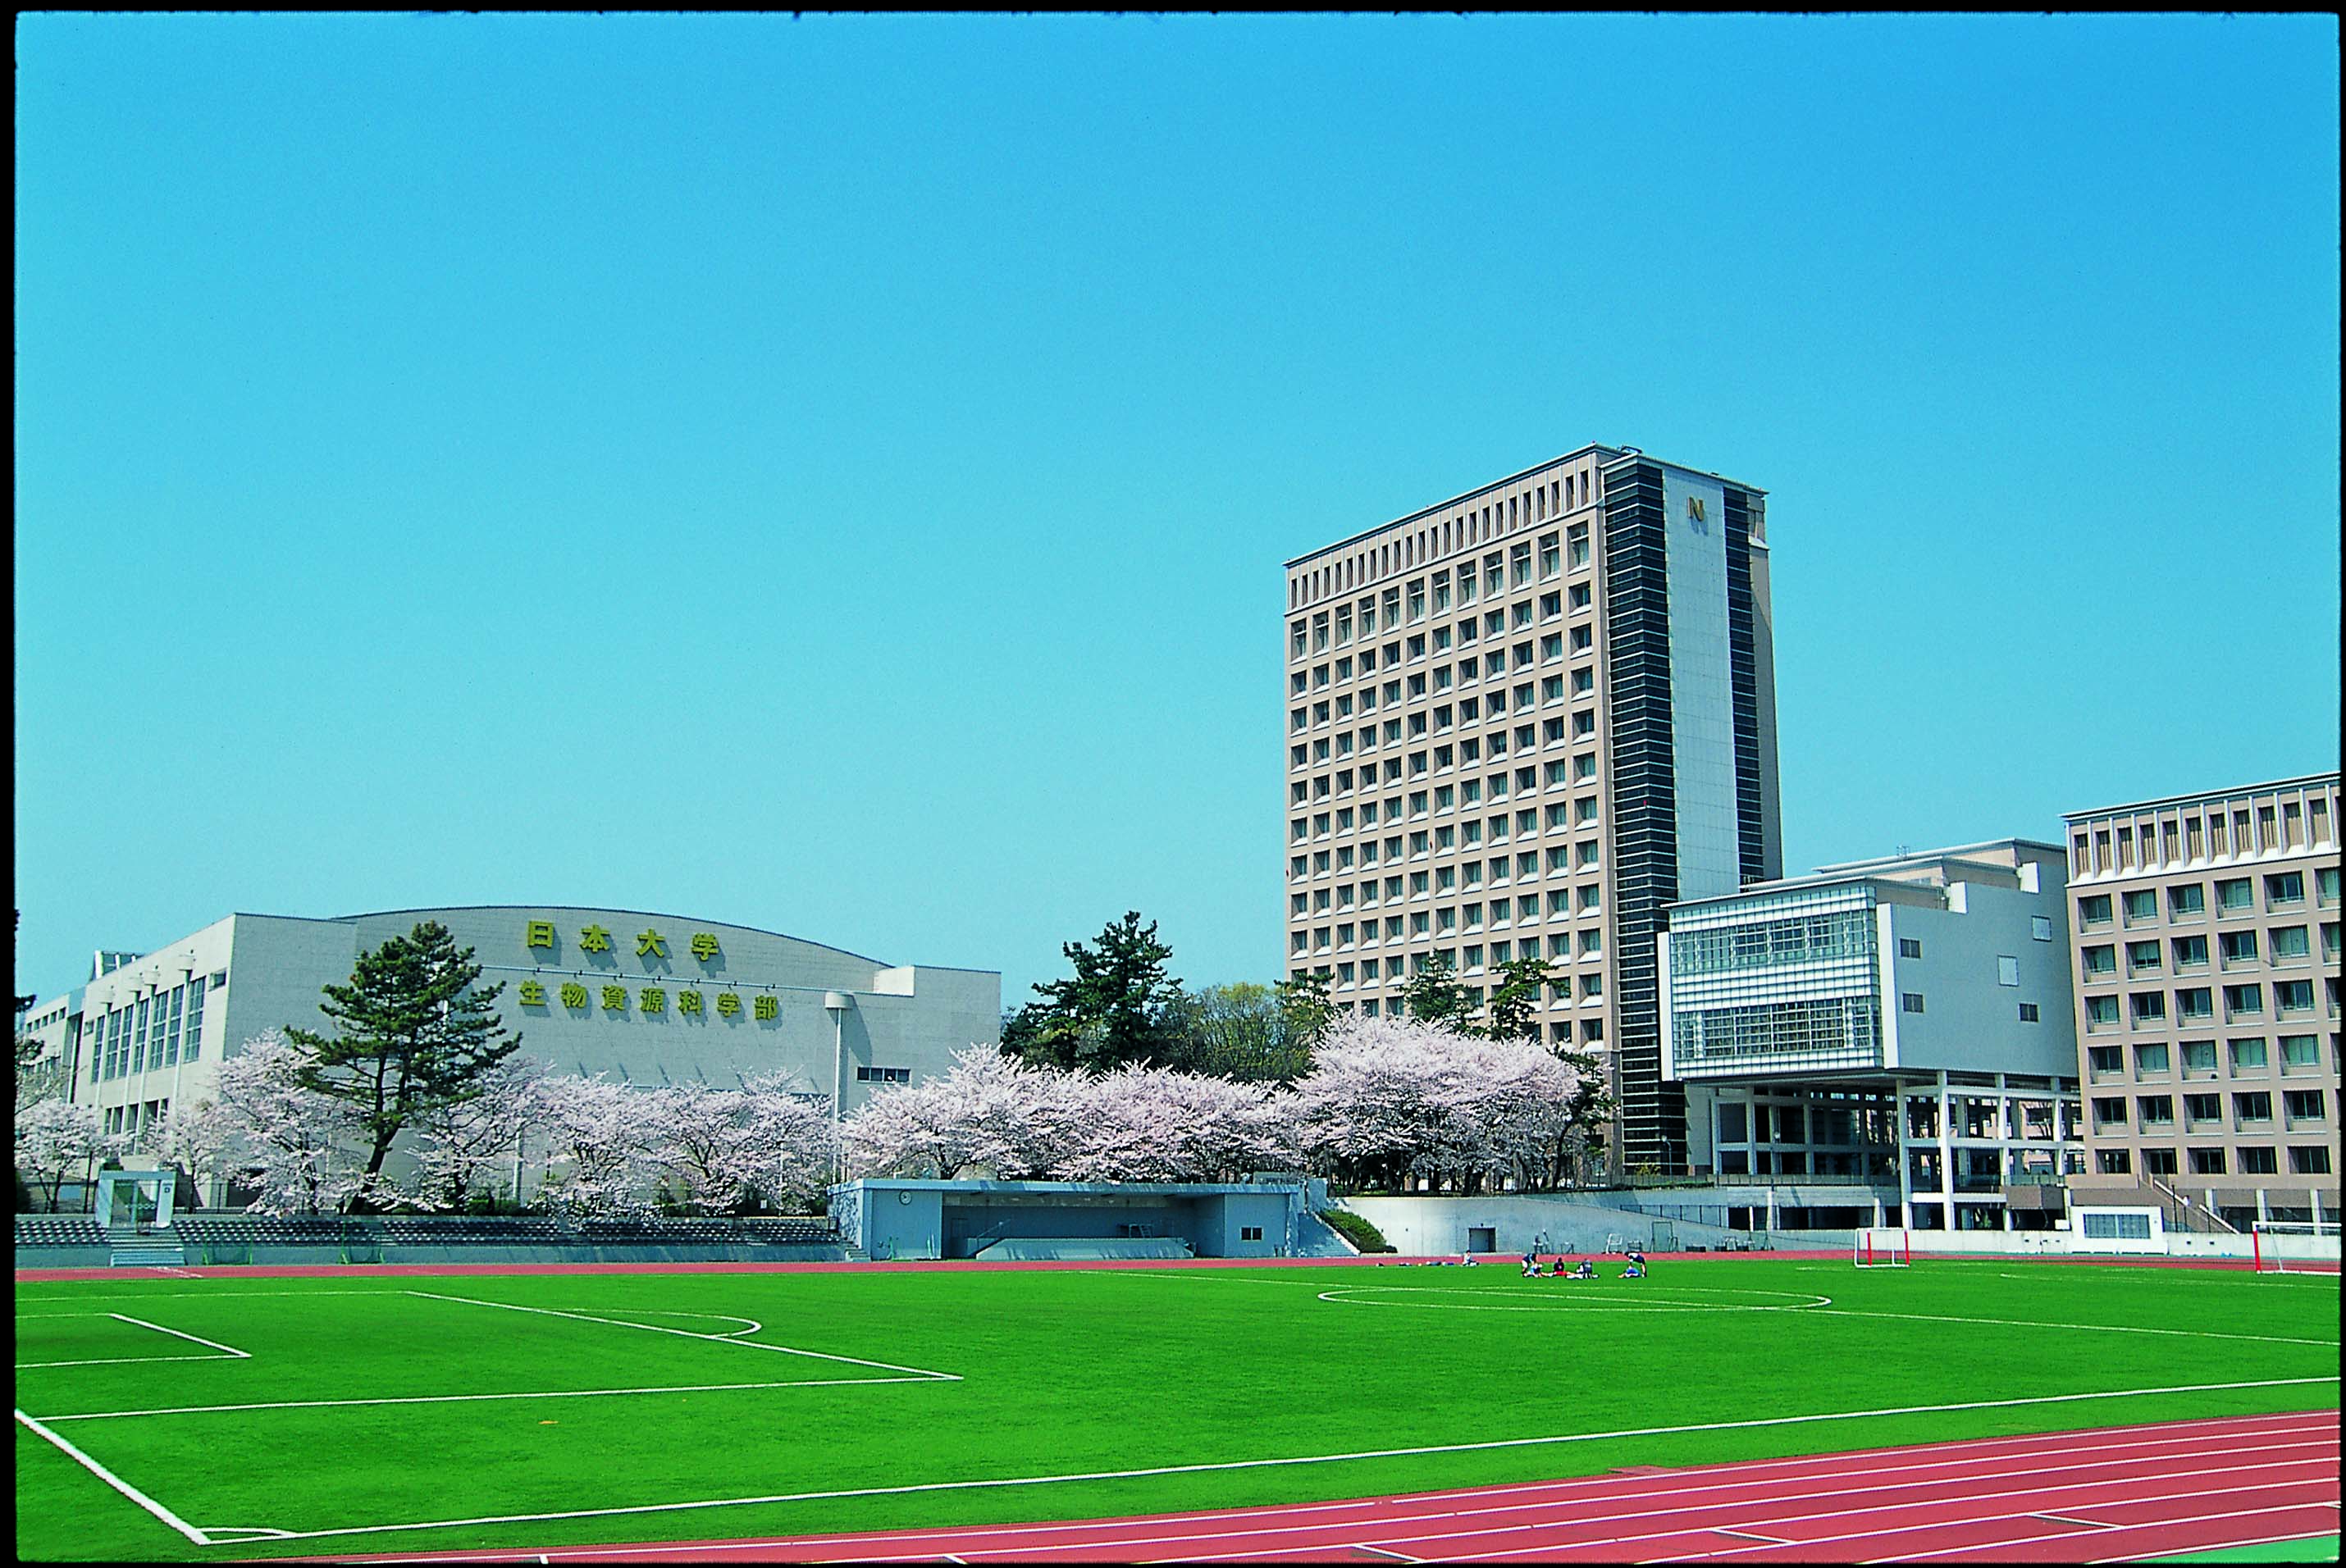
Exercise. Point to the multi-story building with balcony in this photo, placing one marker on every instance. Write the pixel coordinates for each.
(1522, 721)
(2208, 1000)
(1884, 1042)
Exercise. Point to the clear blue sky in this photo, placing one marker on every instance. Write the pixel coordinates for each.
(835, 474)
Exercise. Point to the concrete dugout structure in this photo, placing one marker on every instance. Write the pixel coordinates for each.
(902, 1218)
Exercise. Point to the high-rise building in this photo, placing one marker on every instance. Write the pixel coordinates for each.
(1524, 720)
(2205, 938)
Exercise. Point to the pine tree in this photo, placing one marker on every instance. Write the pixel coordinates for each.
(1435, 995)
(413, 1036)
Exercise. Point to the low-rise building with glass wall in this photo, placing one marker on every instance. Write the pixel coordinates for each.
(1891, 1038)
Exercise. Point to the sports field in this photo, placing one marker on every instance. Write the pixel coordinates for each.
(239, 1416)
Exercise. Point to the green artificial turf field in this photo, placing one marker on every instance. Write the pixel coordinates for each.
(313, 1416)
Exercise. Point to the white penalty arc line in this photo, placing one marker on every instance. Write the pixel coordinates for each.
(1298, 1459)
(114, 1481)
(688, 1334)
(468, 1398)
(749, 1325)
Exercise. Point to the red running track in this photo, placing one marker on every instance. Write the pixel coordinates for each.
(2111, 1493)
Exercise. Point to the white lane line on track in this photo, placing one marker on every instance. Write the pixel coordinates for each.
(2069, 1519)
(2102, 1537)
(1217, 1465)
(468, 1398)
(688, 1334)
(1763, 1512)
(112, 1479)
(909, 1544)
(1942, 1525)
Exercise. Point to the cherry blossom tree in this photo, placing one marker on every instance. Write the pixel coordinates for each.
(460, 1144)
(53, 1139)
(1018, 1120)
(602, 1159)
(1147, 1125)
(724, 1150)
(203, 1139)
(299, 1142)
(989, 1110)
(1393, 1101)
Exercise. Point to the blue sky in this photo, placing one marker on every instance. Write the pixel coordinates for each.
(835, 474)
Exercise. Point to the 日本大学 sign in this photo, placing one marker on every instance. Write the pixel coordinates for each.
(647, 1001)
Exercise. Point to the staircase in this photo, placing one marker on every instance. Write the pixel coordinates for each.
(856, 1254)
(128, 1246)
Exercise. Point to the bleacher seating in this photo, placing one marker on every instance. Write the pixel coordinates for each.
(232, 1229)
(1088, 1248)
(263, 1230)
(58, 1230)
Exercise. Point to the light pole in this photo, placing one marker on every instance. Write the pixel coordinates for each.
(836, 1003)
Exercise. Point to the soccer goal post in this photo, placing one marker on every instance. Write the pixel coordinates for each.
(1885, 1249)
(2294, 1246)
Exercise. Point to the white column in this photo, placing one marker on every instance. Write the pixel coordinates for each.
(1905, 1163)
(1946, 1151)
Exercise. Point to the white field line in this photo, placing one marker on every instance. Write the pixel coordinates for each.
(467, 1398)
(1353, 1295)
(114, 1481)
(230, 1349)
(226, 1352)
(138, 1295)
(2088, 1328)
(118, 1362)
(2102, 1535)
(749, 1325)
(914, 1542)
(1305, 1458)
(1394, 1530)
(688, 1334)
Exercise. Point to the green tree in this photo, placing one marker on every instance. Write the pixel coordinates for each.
(1118, 1009)
(1252, 1033)
(1434, 995)
(413, 1036)
(1307, 1009)
(1515, 1003)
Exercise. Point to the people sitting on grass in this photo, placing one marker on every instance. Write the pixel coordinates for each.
(1636, 1268)
(1585, 1270)
(1531, 1264)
